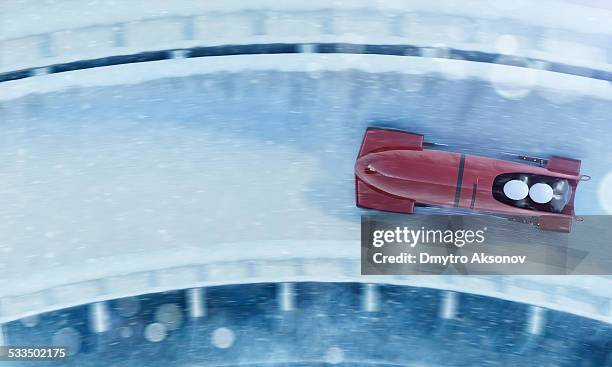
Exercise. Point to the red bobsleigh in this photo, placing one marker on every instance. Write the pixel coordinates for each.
(394, 172)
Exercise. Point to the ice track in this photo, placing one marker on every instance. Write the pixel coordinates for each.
(127, 180)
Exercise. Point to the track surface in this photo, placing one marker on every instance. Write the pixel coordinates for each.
(191, 162)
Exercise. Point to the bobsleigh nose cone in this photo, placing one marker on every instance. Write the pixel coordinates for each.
(541, 193)
(369, 169)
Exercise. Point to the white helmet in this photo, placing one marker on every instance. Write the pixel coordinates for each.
(541, 193)
(516, 189)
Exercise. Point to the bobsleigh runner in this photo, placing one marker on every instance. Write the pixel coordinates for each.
(395, 171)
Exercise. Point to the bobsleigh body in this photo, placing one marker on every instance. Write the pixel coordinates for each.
(394, 172)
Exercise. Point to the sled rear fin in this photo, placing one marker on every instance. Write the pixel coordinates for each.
(379, 139)
(370, 198)
(567, 166)
(555, 223)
